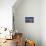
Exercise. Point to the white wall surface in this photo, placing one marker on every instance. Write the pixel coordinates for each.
(6, 13)
(43, 22)
(29, 8)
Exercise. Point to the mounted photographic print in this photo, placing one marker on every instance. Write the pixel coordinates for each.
(29, 19)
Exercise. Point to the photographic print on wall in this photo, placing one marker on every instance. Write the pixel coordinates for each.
(29, 19)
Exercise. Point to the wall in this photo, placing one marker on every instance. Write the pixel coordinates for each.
(6, 13)
(28, 8)
(6, 16)
(43, 22)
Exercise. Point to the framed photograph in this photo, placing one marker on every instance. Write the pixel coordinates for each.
(29, 19)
